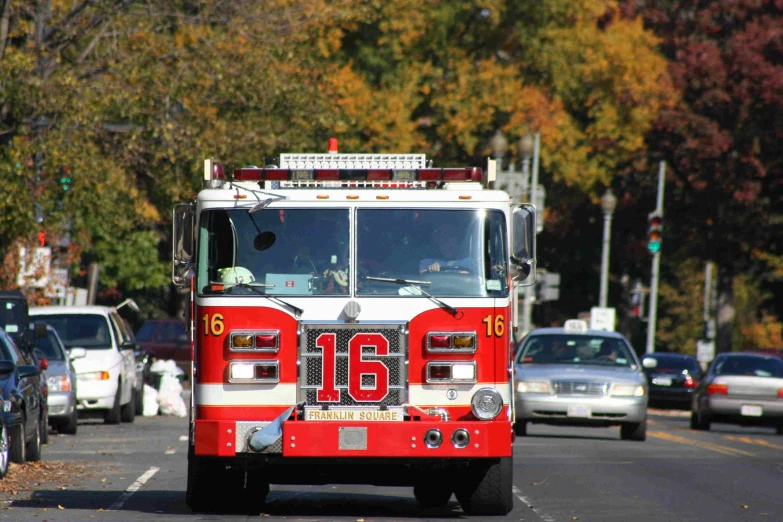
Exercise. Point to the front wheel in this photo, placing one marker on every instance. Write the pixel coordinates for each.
(69, 425)
(18, 446)
(45, 427)
(34, 446)
(486, 487)
(128, 411)
(113, 415)
(520, 428)
(634, 431)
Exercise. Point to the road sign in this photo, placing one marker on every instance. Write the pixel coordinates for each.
(705, 351)
(602, 318)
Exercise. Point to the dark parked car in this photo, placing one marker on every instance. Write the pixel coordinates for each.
(166, 339)
(671, 379)
(62, 381)
(22, 402)
(740, 388)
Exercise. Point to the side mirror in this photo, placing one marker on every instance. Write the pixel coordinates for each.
(6, 367)
(184, 244)
(40, 330)
(77, 353)
(523, 242)
(649, 362)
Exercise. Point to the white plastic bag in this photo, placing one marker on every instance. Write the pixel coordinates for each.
(150, 406)
(170, 398)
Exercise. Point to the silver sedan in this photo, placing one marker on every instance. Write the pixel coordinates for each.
(740, 388)
(61, 380)
(580, 377)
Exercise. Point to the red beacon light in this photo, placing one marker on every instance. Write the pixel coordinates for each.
(332, 145)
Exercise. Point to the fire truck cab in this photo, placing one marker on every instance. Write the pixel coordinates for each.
(352, 320)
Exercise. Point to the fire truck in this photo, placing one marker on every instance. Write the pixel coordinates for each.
(352, 321)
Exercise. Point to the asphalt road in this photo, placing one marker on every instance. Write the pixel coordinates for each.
(136, 472)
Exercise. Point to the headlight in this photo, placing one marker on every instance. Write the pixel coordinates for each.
(532, 387)
(59, 383)
(242, 370)
(486, 404)
(628, 390)
(94, 376)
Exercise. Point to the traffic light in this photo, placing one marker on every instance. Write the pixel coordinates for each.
(65, 179)
(655, 226)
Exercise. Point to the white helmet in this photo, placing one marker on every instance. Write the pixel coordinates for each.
(236, 274)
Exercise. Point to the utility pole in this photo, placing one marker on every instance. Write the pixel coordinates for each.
(656, 266)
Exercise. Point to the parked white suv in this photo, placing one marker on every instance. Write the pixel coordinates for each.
(107, 372)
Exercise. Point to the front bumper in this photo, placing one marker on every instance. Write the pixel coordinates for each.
(96, 394)
(368, 439)
(61, 404)
(603, 411)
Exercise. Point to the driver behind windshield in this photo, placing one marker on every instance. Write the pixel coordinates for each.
(450, 255)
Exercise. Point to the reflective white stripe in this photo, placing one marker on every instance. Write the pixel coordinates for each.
(285, 394)
(438, 394)
(245, 394)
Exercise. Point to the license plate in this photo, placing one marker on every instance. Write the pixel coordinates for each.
(662, 381)
(353, 414)
(750, 410)
(579, 411)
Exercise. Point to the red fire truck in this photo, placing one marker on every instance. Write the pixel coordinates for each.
(352, 321)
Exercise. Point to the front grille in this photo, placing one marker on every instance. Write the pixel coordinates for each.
(592, 389)
(311, 374)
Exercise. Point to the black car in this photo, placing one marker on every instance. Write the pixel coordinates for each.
(22, 402)
(671, 377)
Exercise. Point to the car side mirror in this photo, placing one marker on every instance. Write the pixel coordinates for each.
(77, 352)
(6, 367)
(27, 370)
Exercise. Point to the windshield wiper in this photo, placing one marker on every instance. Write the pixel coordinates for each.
(450, 309)
(255, 288)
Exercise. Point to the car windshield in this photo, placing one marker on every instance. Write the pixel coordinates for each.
(47, 347)
(290, 251)
(90, 331)
(745, 365)
(453, 252)
(581, 349)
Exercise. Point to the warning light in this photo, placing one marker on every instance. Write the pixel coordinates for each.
(42, 238)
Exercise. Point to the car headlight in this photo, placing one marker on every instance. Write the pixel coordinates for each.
(628, 390)
(94, 376)
(59, 383)
(532, 387)
(486, 404)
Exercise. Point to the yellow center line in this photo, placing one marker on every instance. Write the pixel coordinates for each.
(726, 450)
(748, 440)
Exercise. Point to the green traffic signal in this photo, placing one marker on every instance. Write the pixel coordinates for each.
(654, 246)
(65, 179)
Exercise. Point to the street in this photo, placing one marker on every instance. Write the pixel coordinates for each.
(137, 472)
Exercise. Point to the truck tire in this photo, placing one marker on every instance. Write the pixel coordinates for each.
(486, 487)
(128, 411)
(520, 428)
(113, 415)
(432, 494)
(214, 488)
(18, 446)
(634, 431)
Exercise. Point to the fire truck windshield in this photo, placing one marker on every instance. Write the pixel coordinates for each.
(292, 251)
(459, 252)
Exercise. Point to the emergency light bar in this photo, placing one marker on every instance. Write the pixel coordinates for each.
(334, 160)
(323, 174)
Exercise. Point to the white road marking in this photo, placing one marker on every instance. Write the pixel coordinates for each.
(133, 488)
(171, 452)
(183, 438)
(529, 504)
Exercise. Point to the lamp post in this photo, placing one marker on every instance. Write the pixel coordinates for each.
(608, 205)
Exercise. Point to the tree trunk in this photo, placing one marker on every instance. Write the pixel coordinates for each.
(725, 311)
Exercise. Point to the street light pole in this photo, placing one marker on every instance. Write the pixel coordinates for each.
(608, 205)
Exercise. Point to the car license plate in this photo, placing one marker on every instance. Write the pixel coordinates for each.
(579, 411)
(750, 410)
(662, 381)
